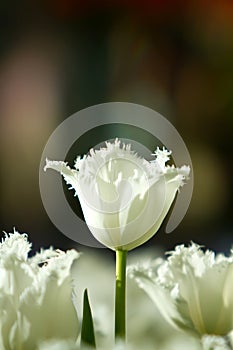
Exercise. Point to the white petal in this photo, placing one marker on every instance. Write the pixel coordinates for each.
(14, 246)
(162, 299)
(70, 175)
(214, 342)
(160, 197)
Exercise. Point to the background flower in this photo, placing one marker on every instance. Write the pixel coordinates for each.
(35, 295)
(192, 289)
(215, 342)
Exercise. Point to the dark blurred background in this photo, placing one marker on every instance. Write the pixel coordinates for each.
(174, 56)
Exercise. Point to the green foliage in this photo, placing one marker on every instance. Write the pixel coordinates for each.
(87, 333)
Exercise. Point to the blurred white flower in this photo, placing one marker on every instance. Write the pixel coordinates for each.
(124, 198)
(171, 343)
(214, 342)
(58, 344)
(35, 295)
(192, 289)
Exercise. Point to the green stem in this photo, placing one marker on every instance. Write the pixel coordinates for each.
(121, 256)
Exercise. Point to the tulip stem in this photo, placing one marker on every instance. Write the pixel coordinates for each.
(121, 256)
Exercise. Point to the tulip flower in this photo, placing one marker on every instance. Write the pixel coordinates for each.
(124, 199)
(35, 295)
(193, 291)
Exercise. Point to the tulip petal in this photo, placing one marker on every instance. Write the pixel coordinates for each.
(70, 175)
(162, 299)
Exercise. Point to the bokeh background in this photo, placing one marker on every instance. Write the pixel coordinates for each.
(174, 56)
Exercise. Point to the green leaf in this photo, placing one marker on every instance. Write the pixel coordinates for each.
(87, 333)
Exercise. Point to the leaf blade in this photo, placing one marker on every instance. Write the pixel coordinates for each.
(87, 332)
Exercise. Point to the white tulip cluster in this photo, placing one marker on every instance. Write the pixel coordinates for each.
(192, 290)
(124, 199)
(35, 295)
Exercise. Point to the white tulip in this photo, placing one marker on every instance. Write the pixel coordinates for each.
(214, 342)
(35, 295)
(124, 198)
(192, 290)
